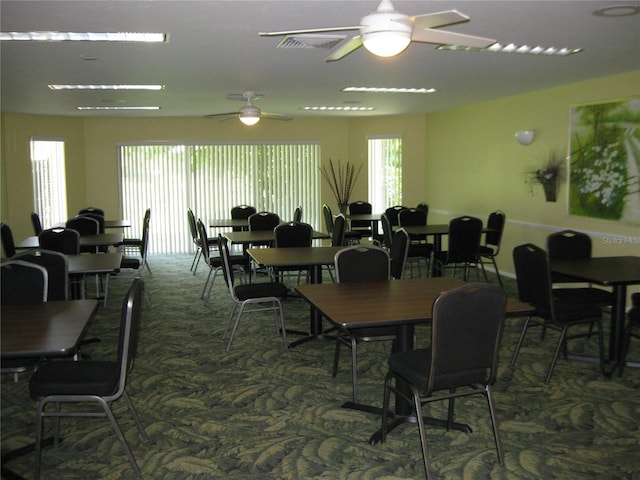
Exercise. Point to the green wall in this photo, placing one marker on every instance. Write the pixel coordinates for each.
(474, 164)
(463, 160)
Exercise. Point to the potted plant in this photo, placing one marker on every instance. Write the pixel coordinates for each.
(341, 180)
(549, 175)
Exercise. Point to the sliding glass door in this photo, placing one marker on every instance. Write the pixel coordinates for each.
(212, 178)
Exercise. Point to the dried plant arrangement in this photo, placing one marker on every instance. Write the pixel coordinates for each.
(341, 180)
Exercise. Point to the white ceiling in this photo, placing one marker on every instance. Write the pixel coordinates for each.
(214, 49)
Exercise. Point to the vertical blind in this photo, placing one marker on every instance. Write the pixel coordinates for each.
(49, 181)
(211, 179)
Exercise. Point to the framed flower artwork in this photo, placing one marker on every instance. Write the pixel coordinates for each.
(604, 169)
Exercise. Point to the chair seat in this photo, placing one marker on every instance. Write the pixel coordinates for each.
(571, 312)
(420, 250)
(260, 290)
(75, 378)
(486, 251)
(216, 262)
(595, 296)
(132, 242)
(374, 333)
(130, 262)
(404, 364)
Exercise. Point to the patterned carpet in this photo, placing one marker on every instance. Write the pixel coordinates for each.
(260, 412)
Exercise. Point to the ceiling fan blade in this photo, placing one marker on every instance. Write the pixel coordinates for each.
(442, 37)
(345, 49)
(223, 115)
(438, 19)
(275, 116)
(310, 30)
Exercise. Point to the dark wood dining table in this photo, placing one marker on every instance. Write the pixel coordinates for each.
(49, 329)
(257, 236)
(398, 303)
(312, 257)
(97, 240)
(615, 272)
(103, 264)
(121, 223)
(437, 231)
(229, 223)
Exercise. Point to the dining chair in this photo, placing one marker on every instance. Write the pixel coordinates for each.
(387, 231)
(138, 261)
(133, 245)
(8, 244)
(297, 214)
(348, 238)
(363, 228)
(419, 249)
(195, 237)
(424, 207)
(101, 228)
(97, 211)
(392, 214)
(239, 262)
(63, 240)
(21, 282)
(84, 226)
(398, 253)
(490, 249)
(92, 381)
(462, 359)
(36, 223)
(57, 267)
(292, 234)
(97, 217)
(263, 221)
(360, 263)
(337, 240)
(463, 242)
(632, 329)
(574, 245)
(241, 212)
(533, 278)
(250, 297)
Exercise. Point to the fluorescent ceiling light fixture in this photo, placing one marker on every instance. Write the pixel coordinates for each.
(388, 90)
(339, 109)
(118, 108)
(47, 36)
(513, 48)
(106, 87)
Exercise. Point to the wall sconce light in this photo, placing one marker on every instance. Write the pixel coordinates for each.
(524, 137)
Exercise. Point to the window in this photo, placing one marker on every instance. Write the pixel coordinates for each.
(49, 184)
(385, 172)
(211, 179)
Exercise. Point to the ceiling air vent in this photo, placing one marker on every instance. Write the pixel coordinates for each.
(310, 40)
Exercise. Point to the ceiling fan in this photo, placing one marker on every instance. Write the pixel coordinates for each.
(249, 114)
(386, 33)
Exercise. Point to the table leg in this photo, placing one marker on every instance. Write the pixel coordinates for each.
(19, 452)
(315, 322)
(617, 323)
(437, 247)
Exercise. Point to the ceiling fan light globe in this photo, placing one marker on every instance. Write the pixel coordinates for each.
(385, 34)
(249, 120)
(386, 44)
(249, 115)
